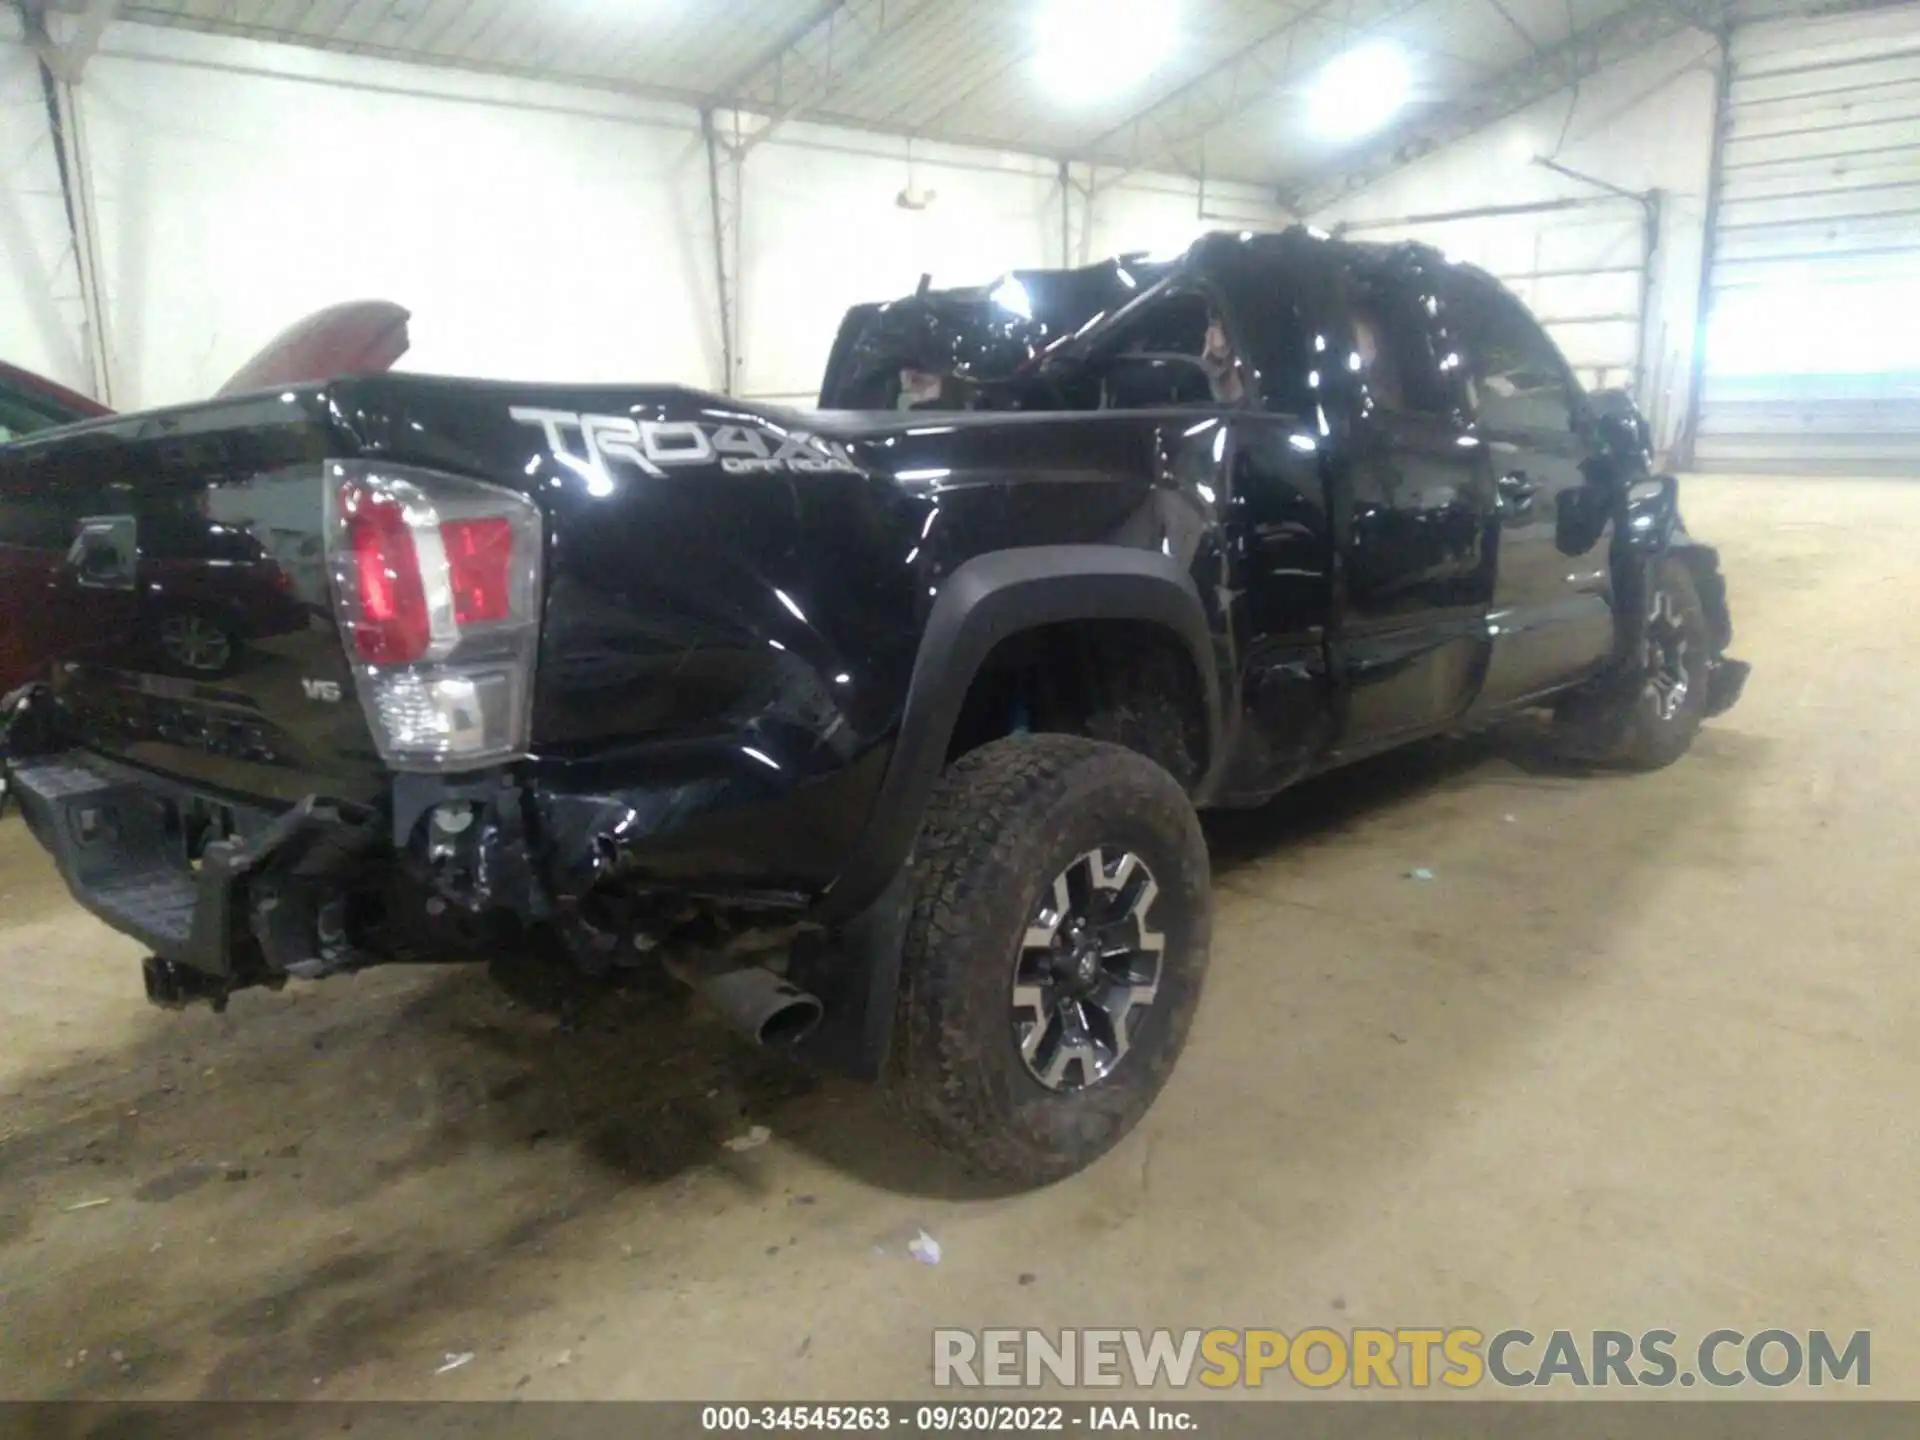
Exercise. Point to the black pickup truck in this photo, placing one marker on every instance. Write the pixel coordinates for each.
(883, 727)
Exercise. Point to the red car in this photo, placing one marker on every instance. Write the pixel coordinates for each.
(228, 586)
(30, 402)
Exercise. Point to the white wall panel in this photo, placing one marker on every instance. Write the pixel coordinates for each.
(535, 231)
(1645, 124)
(41, 320)
(1164, 214)
(822, 230)
(532, 233)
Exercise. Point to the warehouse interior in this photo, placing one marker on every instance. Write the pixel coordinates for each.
(1485, 1042)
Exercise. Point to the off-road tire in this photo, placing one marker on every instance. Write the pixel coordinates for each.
(1625, 726)
(1004, 821)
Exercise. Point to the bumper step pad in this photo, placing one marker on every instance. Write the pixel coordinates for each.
(117, 846)
(156, 908)
(119, 837)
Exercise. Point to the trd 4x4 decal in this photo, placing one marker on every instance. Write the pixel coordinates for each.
(656, 445)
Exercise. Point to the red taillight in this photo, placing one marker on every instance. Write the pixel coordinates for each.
(394, 627)
(480, 567)
(436, 585)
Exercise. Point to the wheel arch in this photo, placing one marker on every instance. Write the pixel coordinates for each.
(986, 601)
(1654, 528)
(1703, 564)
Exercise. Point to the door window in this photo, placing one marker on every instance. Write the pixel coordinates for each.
(1517, 378)
(1398, 347)
(1175, 350)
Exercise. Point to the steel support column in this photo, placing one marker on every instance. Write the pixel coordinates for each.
(61, 65)
(77, 178)
(726, 165)
(806, 67)
(1688, 438)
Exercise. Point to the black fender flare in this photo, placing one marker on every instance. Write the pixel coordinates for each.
(986, 600)
(1654, 528)
(852, 961)
(1703, 563)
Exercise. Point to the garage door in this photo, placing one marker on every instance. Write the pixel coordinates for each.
(1580, 265)
(1813, 345)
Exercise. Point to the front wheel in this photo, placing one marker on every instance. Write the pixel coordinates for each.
(1054, 955)
(1650, 720)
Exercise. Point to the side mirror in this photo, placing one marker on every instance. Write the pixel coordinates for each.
(1619, 427)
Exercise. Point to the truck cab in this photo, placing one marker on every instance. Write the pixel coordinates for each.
(1420, 504)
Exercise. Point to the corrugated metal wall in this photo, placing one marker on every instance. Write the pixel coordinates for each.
(1813, 339)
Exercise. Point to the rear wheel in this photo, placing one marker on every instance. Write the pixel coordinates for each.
(1054, 955)
(1649, 720)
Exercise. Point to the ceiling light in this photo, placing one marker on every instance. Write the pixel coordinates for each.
(1359, 91)
(1091, 49)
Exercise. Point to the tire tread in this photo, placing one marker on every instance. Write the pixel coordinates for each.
(976, 824)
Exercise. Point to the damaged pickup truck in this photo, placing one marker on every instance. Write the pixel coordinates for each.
(883, 727)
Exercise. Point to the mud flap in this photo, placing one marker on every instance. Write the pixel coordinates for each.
(1726, 677)
(854, 970)
(1725, 682)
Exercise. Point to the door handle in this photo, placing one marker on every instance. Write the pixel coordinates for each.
(1516, 489)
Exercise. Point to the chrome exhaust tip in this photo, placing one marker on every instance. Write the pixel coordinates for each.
(767, 1008)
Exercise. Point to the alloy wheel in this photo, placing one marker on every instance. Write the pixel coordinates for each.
(195, 643)
(1664, 655)
(1088, 968)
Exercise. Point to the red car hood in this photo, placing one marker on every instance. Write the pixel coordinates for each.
(359, 337)
(82, 407)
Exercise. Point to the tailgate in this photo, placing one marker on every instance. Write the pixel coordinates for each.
(168, 572)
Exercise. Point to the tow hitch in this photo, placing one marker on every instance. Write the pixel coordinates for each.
(174, 987)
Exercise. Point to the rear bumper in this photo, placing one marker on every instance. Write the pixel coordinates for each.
(274, 897)
(119, 845)
(233, 889)
(122, 840)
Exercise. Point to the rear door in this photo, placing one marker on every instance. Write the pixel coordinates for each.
(1418, 543)
(1552, 615)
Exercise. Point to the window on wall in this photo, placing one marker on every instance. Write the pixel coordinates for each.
(1517, 378)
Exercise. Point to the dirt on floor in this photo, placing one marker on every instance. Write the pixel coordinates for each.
(1640, 1053)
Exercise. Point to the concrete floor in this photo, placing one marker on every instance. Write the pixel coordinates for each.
(1641, 1053)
